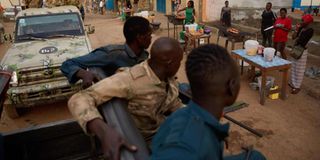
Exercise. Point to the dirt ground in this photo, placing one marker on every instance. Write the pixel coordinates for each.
(290, 128)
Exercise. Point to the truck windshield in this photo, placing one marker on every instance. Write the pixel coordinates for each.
(45, 26)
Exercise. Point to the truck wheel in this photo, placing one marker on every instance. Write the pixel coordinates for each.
(11, 111)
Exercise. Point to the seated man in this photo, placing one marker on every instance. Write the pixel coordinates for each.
(137, 32)
(150, 88)
(194, 132)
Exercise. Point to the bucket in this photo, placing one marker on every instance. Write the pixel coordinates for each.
(251, 47)
(268, 54)
(274, 95)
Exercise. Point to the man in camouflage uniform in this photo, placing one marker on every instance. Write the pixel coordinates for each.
(137, 32)
(150, 88)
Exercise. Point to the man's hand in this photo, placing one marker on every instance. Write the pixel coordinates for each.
(111, 140)
(88, 78)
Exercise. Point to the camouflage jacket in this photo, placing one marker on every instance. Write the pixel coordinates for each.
(150, 100)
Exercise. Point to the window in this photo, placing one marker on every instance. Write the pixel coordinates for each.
(47, 26)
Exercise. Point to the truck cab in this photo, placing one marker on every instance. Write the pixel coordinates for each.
(43, 39)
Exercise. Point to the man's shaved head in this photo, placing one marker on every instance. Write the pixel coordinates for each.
(166, 48)
(167, 53)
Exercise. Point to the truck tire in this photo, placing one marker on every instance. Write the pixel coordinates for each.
(1, 37)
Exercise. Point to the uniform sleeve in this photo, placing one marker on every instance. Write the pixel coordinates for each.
(176, 103)
(96, 58)
(174, 151)
(83, 105)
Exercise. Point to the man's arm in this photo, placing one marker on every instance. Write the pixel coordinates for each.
(182, 9)
(96, 58)
(83, 105)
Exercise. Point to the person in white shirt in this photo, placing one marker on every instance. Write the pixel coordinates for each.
(101, 4)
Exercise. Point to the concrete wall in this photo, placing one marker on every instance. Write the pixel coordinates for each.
(241, 9)
(6, 3)
(308, 2)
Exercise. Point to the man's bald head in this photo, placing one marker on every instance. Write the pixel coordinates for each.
(166, 48)
(167, 54)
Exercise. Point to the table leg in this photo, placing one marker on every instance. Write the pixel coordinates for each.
(233, 45)
(226, 44)
(194, 43)
(185, 43)
(174, 31)
(208, 40)
(241, 67)
(283, 95)
(252, 73)
(168, 29)
(263, 88)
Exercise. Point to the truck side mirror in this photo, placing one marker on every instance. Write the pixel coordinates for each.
(89, 28)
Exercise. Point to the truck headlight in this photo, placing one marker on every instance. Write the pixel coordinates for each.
(14, 79)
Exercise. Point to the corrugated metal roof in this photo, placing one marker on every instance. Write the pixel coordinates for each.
(44, 11)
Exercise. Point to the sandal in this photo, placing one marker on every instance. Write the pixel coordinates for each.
(295, 90)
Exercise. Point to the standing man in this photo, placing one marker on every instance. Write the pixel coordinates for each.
(225, 16)
(268, 19)
(282, 28)
(194, 132)
(149, 87)
(137, 32)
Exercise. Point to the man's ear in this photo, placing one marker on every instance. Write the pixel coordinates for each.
(233, 88)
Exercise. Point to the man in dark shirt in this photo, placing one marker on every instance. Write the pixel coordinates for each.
(137, 32)
(268, 19)
(194, 132)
